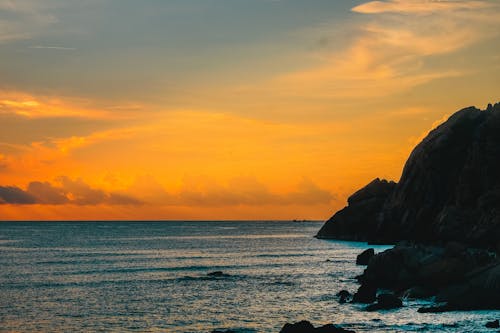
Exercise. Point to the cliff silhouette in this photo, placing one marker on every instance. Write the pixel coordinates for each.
(449, 190)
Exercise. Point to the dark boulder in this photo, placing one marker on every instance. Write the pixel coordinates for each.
(493, 324)
(306, 327)
(385, 302)
(301, 326)
(364, 257)
(366, 293)
(344, 296)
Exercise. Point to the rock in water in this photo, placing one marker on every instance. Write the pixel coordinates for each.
(385, 302)
(364, 257)
(344, 296)
(461, 278)
(366, 293)
(306, 327)
(493, 324)
(218, 274)
(449, 189)
(301, 326)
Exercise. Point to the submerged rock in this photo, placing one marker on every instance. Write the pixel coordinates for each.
(493, 324)
(364, 257)
(306, 327)
(218, 274)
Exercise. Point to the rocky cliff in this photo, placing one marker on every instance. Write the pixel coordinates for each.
(449, 189)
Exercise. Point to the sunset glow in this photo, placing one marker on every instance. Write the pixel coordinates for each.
(226, 109)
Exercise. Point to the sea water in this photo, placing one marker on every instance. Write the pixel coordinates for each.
(153, 277)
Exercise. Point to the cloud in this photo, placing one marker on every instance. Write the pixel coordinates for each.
(67, 191)
(417, 6)
(238, 191)
(30, 106)
(58, 48)
(23, 19)
(3, 162)
(47, 194)
(400, 45)
(15, 195)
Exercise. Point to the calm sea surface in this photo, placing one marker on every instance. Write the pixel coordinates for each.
(152, 277)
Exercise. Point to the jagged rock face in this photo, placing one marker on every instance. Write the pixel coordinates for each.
(449, 189)
(359, 218)
(450, 185)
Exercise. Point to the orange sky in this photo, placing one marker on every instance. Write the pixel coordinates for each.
(269, 110)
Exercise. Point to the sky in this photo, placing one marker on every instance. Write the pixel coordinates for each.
(226, 109)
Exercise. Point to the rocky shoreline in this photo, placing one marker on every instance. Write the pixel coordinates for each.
(444, 217)
(455, 276)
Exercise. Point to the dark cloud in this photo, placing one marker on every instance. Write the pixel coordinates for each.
(68, 191)
(45, 193)
(14, 195)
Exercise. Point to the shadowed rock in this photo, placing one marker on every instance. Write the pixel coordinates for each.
(449, 190)
(366, 293)
(306, 327)
(385, 302)
(364, 257)
(359, 218)
(344, 296)
(493, 324)
(218, 274)
(461, 278)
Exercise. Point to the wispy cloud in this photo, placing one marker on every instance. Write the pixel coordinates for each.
(390, 52)
(417, 6)
(58, 48)
(23, 19)
(31, 106)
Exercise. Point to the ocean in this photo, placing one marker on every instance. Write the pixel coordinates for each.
(154, 277)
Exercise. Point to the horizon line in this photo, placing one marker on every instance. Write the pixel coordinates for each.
(167, 220)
